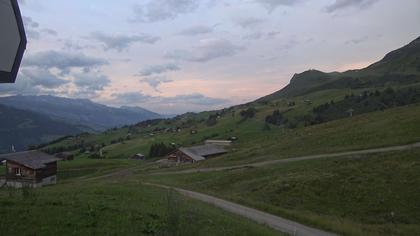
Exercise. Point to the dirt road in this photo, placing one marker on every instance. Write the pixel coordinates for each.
(275, 222)
(302, 158)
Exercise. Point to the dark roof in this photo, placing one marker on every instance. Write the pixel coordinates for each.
(64, 154)
(32, 159)
(198, 153)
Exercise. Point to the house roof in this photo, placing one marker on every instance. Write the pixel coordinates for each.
(31, 159)
(218, 141)
(198, 153)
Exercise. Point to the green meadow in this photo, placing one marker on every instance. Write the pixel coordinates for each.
(112, 206)
(374, 194)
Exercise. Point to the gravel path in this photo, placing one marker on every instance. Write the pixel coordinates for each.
(275, 222)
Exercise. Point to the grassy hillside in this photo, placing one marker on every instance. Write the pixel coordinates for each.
(375, 194)
(114, 206)
(399, 67)
(255, 143)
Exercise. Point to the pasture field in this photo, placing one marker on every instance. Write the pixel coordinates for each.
(112, 206)
(373, 194)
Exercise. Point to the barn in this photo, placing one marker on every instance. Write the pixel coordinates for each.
(30, 169)
(196, 153)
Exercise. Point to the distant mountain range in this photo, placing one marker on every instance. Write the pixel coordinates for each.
(397, 68)
(26, 120)
(80, 111)
(23, 128)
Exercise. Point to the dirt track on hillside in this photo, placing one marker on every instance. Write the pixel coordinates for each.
(275, 222)
(294, 159)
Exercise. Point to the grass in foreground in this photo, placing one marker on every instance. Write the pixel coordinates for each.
(2, 170)
(114, 207)
(84, 167)
(370, 195)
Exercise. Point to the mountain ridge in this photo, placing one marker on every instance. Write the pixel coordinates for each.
(396, 67)
(79, 111)
(22, 128)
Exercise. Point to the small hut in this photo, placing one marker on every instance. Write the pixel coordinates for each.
(139, 157)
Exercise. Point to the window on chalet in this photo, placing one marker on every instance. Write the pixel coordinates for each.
(18, 171)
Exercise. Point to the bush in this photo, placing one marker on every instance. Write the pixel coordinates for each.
(248, 113)
(276, 118)
(160, 150)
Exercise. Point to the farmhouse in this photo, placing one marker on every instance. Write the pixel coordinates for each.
(30, 169)
(197, 153)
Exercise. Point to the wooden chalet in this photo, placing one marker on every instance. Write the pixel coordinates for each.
(196, 153)
(30, 169)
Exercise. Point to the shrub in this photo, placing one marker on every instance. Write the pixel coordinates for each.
(276, 118)
(248, 113)
(160, 150)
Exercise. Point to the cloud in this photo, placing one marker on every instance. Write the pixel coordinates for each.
(343, 4)
(90, 82)
(196, 30)
(254, 36)
(249, 22)
(196, 99)
(156, 81)
(31, 27)
(72, 45)
(357, 40)
(206, 50)
(43, 78)
(23, 86)
(272, 5)
(130, 98)
(175, 104)
(33, 31)
(50, 32)
(62, 61)
(160, 10)
(34, 81)
(158, 69)
(121, 42)
(29, 22)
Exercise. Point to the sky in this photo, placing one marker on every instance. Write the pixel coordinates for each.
(176, 56)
